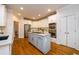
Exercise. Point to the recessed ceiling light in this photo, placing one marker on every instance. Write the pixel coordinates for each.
(33, 17)
(19, 14)
(49, 10)
(39, 15)
(21, 8)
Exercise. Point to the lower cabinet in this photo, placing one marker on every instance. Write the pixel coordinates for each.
(5, 50)
(40, 42)
(35, 41)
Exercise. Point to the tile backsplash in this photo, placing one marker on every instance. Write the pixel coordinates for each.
(2, 29)
(41, 29)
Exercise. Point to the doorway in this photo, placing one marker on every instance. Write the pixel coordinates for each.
(27, 29)
(16, 29)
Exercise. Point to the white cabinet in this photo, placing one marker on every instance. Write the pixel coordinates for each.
(40, 41)
(5, 50)
(61, 30)
(77, 32)
(71, 31)
(35, 41)
(68, 30)
(2, 15)
(47, 44)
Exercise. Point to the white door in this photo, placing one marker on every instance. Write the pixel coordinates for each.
(71, 31)
(58, 30)
(77, 32)
(62, 30)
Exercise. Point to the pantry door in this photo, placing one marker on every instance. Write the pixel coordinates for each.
(61, 30)
(71, 31)
(77, 32)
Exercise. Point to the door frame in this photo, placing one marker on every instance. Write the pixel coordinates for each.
(16, 35)
(25, 31)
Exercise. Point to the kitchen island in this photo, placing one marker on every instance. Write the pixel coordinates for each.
(41, 41)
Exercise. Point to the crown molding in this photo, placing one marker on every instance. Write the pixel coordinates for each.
(49, 14)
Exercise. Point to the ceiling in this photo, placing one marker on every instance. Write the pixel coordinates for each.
(32, 10)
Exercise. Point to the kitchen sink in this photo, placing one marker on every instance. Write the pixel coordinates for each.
(4, 37)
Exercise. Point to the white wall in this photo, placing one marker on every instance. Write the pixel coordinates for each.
(11, 17)
(15, 18)
(9, 26)
(68, 10)
(21, 27)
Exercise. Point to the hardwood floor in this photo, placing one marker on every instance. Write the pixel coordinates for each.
(23, 47)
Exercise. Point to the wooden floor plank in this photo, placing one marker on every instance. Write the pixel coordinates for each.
(23, 47)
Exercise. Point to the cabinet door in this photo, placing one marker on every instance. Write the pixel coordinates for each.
(71, 34)
(61, 29)
(77, 32)
(46, 44)
(2, 15)
(35, 41)
(4, 50)
(58, 30)
(29, 37)
(40, 43)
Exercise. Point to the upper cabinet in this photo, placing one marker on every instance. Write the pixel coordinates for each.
(52, 19)
(2, 15)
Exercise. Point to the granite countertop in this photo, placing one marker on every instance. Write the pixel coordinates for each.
(41, 34)
(45, 34)
(3, 35)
